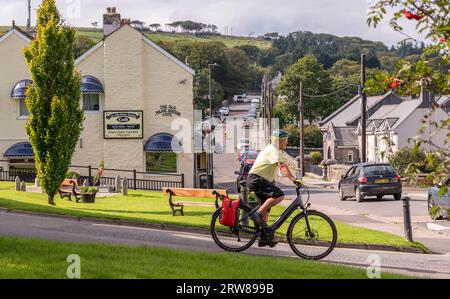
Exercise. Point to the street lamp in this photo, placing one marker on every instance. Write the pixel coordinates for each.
(210, 154)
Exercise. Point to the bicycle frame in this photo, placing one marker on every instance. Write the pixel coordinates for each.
(297, 203)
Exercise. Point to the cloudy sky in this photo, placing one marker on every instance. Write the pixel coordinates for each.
(242, 17)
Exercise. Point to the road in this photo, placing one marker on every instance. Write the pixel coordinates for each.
(50, 228)
(385, 215)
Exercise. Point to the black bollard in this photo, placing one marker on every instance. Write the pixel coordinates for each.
(407, 219)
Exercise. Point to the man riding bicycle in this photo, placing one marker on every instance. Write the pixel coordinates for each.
(261, 181)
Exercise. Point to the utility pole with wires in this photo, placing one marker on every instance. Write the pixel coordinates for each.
(301, 126)
(29, 15)
(269, 119)
(363, 110)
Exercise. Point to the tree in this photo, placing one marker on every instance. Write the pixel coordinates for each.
(53, 100)
(316, 81)
(154, 27)
(81, 45)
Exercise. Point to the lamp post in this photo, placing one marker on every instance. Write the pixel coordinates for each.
(210, 154)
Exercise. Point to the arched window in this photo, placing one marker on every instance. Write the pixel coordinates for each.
(91, 89)
(161, 153)
(329, 153)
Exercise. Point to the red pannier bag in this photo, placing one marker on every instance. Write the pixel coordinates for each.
(229, 214)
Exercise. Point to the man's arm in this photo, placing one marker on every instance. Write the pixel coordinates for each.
(285, 170)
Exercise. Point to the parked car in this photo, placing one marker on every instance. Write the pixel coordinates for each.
(219, 116)
(370, 179)
(442, 202)
(206, 124)
(242, 174)
(225, 111)
(248, 155)
(248, 122)
(239, 98)
(255, 102)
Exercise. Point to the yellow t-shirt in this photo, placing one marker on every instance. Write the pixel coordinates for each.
(266, 163)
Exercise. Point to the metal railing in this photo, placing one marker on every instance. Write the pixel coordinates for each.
(171, 180)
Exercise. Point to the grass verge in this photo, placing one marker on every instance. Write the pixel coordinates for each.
(24, 258)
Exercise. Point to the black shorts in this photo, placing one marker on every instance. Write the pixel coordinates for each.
(263, 188)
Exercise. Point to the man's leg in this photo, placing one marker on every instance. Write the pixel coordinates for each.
(269, 203)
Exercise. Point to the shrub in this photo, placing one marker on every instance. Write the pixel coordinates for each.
(404, 157)
(88, 190)
(316, 157)
(72, 174)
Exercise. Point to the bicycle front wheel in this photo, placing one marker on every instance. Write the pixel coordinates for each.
(312, 237)
(234, 239)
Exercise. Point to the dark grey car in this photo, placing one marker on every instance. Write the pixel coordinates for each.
(442, 202)
(370, 179)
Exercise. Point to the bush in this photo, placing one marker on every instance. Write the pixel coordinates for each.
(88, 190)
(316, 158)
(404, 157)
(72, 174)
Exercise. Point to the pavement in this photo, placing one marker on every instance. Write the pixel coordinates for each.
(61, 229)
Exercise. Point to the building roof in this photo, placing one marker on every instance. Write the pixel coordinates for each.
(351, 110)
(396, 114)
(346, 136)
(19, 32)
(145, 39)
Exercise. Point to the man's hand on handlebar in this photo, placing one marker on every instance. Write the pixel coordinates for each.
(298, 182)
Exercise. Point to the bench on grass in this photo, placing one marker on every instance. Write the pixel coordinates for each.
(178, 206)
(68, 188)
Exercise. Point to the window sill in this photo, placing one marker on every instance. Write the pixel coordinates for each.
(148, 174)
(92, 112)
(22, 117)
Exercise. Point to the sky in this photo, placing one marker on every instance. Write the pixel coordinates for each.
(239, 17)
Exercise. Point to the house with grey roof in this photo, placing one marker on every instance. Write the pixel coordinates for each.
(340, 128)
(391, 122)
(392, 126)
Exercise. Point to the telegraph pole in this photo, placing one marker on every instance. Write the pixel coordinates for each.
(301, 124)
(270, 108)
(363, 110)
(29, 15)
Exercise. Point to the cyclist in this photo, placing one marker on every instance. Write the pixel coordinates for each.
(261, 181)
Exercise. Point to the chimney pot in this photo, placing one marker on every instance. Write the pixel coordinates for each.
(111, 21)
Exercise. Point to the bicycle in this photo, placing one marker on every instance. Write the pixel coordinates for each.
(311, 234)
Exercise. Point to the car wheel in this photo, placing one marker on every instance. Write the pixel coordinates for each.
(359, 196)
(379, 196)
(341, 194)
(398, 196)
(431, 205)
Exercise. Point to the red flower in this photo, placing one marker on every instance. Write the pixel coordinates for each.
(442, 39)
(409, 15)
(394, 83)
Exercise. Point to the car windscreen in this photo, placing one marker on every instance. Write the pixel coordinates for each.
(379, 170)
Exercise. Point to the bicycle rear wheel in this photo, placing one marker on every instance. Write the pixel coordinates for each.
(234, 239)
(315, 242)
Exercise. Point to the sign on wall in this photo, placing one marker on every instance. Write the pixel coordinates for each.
(123, 124)
(167, 110)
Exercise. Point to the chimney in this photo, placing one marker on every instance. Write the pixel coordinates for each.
(111, 21)
(427, 99)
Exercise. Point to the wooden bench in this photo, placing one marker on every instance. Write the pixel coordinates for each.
(68, 188)
(178, 206)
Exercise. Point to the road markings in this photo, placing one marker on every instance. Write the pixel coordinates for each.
(436, 227)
